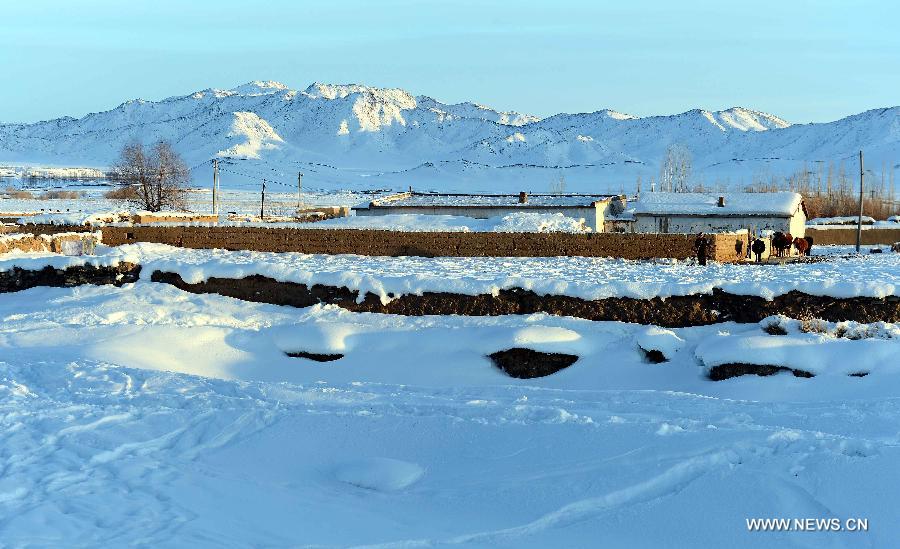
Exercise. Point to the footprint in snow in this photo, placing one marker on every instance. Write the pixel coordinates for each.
(379, 474)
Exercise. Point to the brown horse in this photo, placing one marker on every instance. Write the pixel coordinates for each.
(802, 245)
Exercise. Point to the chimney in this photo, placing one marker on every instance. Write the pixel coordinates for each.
(523, 197)
(721, 201)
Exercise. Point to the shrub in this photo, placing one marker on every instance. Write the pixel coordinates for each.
(60, 195)
(776, 325)
(813, 325)
(126, 192)
(12, 192)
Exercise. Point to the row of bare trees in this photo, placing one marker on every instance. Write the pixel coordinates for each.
(828, 190)
(833, 191)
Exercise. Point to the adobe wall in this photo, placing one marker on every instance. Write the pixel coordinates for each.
(25, 242)
(46, 228)
(675, 311)
(426, 244)
(848, 236)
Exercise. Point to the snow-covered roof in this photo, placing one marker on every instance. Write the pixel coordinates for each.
(781, 204)
(417, 199)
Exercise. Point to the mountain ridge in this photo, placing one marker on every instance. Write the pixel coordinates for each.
(369, 133)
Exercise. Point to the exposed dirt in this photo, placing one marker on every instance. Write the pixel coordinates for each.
(654, 356)
(727, 371)
(17, 279)
(673, 312)
(318, 357)
(527, 363)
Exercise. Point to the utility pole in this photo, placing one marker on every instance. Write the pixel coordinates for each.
(262, 202)
(215, 190)
(299, 190)
(859, 220)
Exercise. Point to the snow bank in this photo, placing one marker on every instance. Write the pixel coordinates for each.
(77, 218)
(871, 275)
(840, 220)
(815, 353)
(379, 474)
(523, 222)
(654, 338)
(840, 276)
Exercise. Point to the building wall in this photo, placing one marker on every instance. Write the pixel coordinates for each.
(798, 224)
(593, 215)
(709, 224)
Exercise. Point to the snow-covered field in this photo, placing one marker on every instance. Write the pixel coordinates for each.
(842, 274)
(239, 201)
(145, 415)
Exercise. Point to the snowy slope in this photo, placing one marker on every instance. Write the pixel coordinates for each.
(146, 416)
(355, 136)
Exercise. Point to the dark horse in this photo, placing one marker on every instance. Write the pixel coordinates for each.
(782, 243)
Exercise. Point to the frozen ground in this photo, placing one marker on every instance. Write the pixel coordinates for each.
(145, 415)
(843, 274)
(279, 201)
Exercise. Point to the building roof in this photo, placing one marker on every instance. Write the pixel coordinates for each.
(418, 199)
(779, 204)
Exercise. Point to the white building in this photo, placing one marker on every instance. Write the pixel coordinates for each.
(594, 209)
(721, 212)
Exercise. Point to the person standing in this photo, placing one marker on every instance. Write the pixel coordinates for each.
(701, 245)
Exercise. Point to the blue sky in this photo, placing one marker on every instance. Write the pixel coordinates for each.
(804, 61)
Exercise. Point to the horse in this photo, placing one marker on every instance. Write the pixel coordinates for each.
(809, 241)
(782, 242)
(758, 247)
(802, 245)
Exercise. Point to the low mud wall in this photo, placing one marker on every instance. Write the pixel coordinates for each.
(678, 311)
(46, 228)
(847, 236)
(430, 244)
(17, 279)
(47, 243)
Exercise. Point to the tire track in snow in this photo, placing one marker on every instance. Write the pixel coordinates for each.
(671, 481)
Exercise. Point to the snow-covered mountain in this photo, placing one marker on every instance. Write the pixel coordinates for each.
(354, 136)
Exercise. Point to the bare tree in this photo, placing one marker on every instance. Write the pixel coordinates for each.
(559, 187)
(157, 178)
(676, 169)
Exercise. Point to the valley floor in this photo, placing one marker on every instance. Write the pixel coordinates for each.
(146, 415)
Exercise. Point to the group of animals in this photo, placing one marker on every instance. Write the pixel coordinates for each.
(781, 244)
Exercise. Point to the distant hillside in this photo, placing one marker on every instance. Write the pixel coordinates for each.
(354, 136)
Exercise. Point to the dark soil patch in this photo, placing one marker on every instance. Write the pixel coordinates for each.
(527, 363)
(16, 279)
(774, 329)
(318, 357)
(727, 371)
(654, 356)
(673, 312)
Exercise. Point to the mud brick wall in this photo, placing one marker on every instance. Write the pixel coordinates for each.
(427, 244)
(163, 218)
(42, 228)
(848, 236)
(728, 248)
(37, 243)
